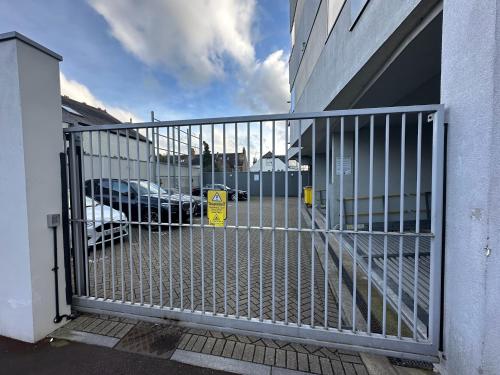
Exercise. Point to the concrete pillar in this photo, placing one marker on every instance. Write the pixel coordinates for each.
(471, 93)
(30, 188)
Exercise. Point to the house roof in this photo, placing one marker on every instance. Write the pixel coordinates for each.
(78, 113)
(269, 155)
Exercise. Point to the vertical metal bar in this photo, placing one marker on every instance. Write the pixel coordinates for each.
(224, 230)
(286, 222)
(260, 229)
(131, 259)
(313, 219)
(341, 219)
(401, 218)
(150, 260)
(103, 252)
(91, 139)
(355, 247)
(341, 226)
(139, 216)
(179, 179)
(273, 225)
(202, 225)
(191, 261)
(170, 205)
(237, 256)
(160, 209)
(249, 258)
(327, 220)
(75, 215)
(386, 220)
(417, 227)
(120, 208)
(370, 227)
(111, 201)
(84, 216)
(436, 226)
(213, 230)
(299, 228)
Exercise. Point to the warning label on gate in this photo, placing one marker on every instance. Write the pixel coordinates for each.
(217, 208)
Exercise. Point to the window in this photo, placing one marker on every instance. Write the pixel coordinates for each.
(334, 7)
(119, 187)
(357, 7)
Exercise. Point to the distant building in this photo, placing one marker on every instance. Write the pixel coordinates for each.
(96, 147)
(267, 163)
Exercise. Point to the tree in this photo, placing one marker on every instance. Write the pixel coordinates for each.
(207, 157)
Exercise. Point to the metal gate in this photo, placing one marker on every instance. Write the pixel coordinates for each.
(355, 261)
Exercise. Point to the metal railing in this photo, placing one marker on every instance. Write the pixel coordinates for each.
(277, 266)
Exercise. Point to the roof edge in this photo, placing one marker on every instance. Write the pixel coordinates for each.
(15, 35)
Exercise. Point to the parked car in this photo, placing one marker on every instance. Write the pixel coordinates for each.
(197, 201)
(103, 223)
(231, 193)
(143, 194)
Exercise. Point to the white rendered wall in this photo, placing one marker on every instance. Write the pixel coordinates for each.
(470, 85)
(30, 124)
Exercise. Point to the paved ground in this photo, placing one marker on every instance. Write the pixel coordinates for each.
(64, 357)
(171, 340)
(186, 268)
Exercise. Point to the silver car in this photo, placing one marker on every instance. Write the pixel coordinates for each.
(99, 228)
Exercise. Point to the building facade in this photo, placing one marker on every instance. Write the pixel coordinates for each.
(364, 54)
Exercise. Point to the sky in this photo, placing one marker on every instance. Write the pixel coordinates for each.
(180, 58)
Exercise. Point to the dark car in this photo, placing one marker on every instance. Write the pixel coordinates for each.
(142, 194)
(197, 201)
(231, 193)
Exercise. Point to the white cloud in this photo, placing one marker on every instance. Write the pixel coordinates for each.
(196, 40)
(265, 87)
(78, 91)
(188, 38)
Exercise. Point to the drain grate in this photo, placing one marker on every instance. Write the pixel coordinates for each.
(158, 340)
(411, 363)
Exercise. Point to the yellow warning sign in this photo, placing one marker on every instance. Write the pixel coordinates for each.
(217, 209)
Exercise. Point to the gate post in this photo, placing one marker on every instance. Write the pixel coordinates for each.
(30, 143)
(77, 207)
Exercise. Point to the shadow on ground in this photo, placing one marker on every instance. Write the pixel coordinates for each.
(63, 357)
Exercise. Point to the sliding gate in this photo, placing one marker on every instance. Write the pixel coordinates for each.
(354, 261)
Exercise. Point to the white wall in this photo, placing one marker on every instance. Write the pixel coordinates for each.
(470, 90)
(30, 124)
(116, 141)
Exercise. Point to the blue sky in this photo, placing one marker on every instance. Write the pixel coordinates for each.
(180, 58)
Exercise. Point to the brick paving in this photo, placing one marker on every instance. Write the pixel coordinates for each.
(276, 353)
(162, 255)
(162, 339)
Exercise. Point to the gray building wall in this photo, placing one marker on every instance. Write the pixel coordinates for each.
(331, 62)
(471, 93)
(378, 172)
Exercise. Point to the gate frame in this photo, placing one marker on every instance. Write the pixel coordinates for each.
(332, 337)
